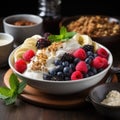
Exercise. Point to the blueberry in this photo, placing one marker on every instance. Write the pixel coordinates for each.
(65, 63)
(57, 62)
(47, 76)
(52, 72)
(88, 66)
(76, 60)
(90, 53)
(94, 70)
(59, 68)
(60, 75)
(67, 71)
(88, 60)
(72, 66)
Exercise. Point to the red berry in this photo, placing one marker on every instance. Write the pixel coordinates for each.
(28, 55)
(82, 66)
(98, 62)
(20, 65)
(80, 53)
(76, 75)
(105, 62)
(102, 52)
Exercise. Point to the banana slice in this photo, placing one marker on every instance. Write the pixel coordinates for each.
(96, 46)
(29, 43)
(18, 55)
(83, 39)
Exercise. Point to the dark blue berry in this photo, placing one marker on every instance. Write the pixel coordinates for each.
(52, 72)
(57, 62)
(47, 76)
(76, 60)
(65, 63)
(88, 60)
(72, 66)
(59, 68)
(67, 71)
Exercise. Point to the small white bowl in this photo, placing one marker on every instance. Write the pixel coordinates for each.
(6, 47)
(22, 32)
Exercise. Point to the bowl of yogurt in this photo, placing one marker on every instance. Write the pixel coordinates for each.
(6, 47)
(64, 66)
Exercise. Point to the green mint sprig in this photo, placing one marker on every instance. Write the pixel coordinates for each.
(9, 95)
(63, 36)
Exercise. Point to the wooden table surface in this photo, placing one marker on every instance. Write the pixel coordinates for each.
(23, 110)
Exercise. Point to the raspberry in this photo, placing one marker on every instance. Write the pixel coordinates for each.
(28, 55)
(76, 75)
(99, 62)
(20, 65)
(82, 66)
(102, 52)
(105, 61)
(80, 53)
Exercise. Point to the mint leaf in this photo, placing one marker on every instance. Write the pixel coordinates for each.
(63, 30)
(5, 92)
(70, 34)
(14, 82)
(9, 95)
(11, 100)
(21, 86)
(55, 38)
(63, 36)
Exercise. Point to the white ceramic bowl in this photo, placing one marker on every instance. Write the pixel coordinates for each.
(6, 47)
(22, 32)
(62, 87)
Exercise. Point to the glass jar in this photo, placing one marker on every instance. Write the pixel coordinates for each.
(50, 11)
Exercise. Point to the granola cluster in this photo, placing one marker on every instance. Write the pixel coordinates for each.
(95, 26)
(39, 61)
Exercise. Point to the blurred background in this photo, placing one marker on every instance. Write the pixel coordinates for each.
(68, 7)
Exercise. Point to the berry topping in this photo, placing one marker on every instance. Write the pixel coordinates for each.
(105, 61)
(80, 53)
(20, 65)
(28, 55)
(88, 48)
(42, 43)
(76, 75)
(102, 52)
(98, 62)
(67, 57)
(82, 66)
